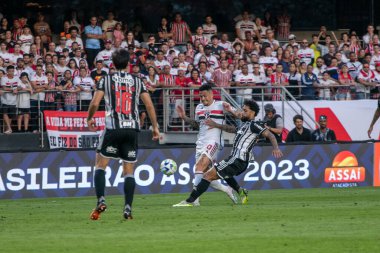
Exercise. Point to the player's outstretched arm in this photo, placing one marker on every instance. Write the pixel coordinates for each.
(151, 113)
(94, 105)
(276, 151)
(234, 112)
(192, 122)
(227, 128)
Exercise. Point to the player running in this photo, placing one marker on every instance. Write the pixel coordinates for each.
(210, 140)
(121, 92)
(246, 137)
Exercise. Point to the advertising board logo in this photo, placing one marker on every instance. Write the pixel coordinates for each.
(345, 169)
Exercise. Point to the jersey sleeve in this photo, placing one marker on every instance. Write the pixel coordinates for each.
(142, 85)
(257, 127)
(104, 26)
(221, 107)
(92, 83)
(279, 123)
(76, 81)
(86, 30)
(19, 81)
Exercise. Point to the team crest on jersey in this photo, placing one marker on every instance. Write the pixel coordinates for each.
(207, 114)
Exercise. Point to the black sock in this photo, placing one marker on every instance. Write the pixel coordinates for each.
(200, 189)
(129, 190)
(232, 182)
(100, 182)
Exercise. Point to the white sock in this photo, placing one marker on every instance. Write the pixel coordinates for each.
(217, 185)
(197, 178)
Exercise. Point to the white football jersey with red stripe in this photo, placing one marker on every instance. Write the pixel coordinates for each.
(215, 111)
(306, 55)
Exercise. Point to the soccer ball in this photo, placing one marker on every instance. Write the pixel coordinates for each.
(168, 167)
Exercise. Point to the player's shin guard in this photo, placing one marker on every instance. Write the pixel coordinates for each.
(100, 182)
(232, 183)
(201, 188)
(129, 189)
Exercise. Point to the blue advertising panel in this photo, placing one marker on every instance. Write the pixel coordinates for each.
(70, 173)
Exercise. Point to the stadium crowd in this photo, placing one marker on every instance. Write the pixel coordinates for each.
(42, 71)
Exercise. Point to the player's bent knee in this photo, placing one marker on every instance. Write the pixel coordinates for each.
(211, 175)
(202, 164)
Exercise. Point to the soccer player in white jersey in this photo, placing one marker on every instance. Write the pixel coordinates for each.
(241, 154)
(209, 141)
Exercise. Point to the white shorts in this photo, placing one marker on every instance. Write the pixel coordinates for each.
(211, 150)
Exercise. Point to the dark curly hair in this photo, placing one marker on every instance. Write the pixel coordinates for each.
(252, 105)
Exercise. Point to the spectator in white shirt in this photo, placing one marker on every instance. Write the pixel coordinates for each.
(23, 102)
(86, 85)
(9, 84)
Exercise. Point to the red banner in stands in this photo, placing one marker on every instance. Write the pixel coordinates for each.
(69, 129)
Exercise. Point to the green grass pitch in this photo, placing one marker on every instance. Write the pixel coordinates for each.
(302, 220)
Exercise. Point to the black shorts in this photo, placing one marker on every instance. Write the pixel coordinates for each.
(21, 111)
(119, 144)
(230, 167)
(9, 109)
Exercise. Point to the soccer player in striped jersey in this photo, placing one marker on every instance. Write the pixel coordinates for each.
(209, 141)
(121, 92)
(246, 137)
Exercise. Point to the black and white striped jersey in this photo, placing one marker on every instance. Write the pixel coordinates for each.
(246, 137)
(121, 94)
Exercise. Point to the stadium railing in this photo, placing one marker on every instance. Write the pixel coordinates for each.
(187, 99)
(166, 103)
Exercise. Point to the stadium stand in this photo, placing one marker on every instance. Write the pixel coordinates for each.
(260, 57)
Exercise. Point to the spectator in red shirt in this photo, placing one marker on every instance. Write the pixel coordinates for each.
(194, 81)
(180, 82)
